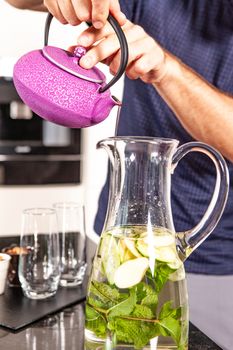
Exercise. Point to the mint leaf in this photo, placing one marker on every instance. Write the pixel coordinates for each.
(97, 303)
(167, 310)
(172, 327)
(120, 329)
(107, 291)
(91, 314)
(125, 307)
(150, 300)
(141, 289)
(143, 312)
(95, 322)
(104, 296)
(169, 321)
(146, 295)
(161, 274)
(133, 332)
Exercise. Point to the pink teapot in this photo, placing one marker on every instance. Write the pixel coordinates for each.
(53, 84)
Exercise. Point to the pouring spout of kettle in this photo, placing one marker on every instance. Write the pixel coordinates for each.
(103, 107)
(116, 101)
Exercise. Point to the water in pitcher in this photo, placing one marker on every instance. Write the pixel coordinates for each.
(137, 296)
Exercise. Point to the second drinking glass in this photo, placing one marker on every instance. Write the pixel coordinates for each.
(39, 260)
(71, 226)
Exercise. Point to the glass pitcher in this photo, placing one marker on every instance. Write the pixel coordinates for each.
(137, 295)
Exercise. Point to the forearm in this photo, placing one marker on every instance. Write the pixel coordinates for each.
(36, 5)
(205, 112)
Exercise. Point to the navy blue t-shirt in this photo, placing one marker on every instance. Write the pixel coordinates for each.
(200, 33)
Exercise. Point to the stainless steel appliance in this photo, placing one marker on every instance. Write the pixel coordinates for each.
(32, 150)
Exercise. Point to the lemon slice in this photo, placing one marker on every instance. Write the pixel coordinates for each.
(131, 272)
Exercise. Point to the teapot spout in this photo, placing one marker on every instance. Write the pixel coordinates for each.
(116, 101)
(103, 108)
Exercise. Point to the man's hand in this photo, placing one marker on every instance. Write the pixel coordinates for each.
(36, 5)
(77, 11)
(146, 58)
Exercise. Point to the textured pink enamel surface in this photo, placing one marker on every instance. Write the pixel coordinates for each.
(67, 60)
(58, 96)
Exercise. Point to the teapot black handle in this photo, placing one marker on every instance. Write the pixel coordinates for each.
(123, 46)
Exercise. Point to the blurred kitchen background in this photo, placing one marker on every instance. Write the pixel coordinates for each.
(41, 163)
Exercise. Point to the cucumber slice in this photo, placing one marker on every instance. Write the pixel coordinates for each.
(131, 272)
(131, 246)
(176, 264)
(124, 252)
(159, 240)
(161, 247)
(142, 247)
(168, 255)
(178, 275)
(110, 256)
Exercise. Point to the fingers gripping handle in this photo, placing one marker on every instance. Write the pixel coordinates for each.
(123, 47)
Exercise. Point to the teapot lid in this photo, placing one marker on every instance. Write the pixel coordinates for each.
(70, 63)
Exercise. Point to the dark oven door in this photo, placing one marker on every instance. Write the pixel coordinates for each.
(28, 165)
(32, 150)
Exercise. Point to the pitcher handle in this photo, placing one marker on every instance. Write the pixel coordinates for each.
(189, 240)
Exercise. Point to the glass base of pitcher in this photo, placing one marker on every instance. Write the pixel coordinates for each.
(92, 342)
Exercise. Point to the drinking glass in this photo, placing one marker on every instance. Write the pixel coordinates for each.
(39, 261)
(71, 226)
